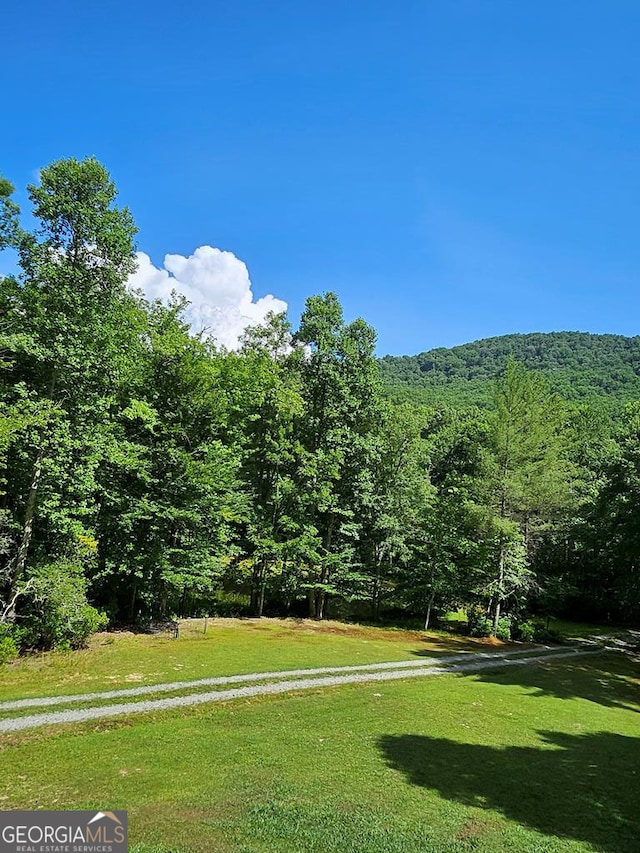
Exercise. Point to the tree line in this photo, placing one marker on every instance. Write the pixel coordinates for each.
(146, 473)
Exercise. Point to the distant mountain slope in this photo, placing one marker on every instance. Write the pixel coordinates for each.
(579, 366)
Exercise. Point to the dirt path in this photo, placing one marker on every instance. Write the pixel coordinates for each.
(272, 683)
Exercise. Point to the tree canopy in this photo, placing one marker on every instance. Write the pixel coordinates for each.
(145, 473)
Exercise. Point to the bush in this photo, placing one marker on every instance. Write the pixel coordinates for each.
(503, 628)
(478, 623)
(547, 635)
(8, 645)
(230, 604)
(56, 614)
(526, 632)
(535, 632)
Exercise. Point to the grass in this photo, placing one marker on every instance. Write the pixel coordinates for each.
(579, 630)
(540, 759)
(568, 630)
(229, 646)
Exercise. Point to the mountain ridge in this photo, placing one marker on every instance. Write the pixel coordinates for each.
(579, 365)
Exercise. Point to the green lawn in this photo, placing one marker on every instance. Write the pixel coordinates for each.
(229, 646)
(579, 630)
(541, 758)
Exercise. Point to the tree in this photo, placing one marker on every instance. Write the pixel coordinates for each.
(397, 501)
(9, 216)
(167, 486)
(603, 558)
(528, 475)
(71, 312)
(447, 541)
(265, 407)
(342, 396)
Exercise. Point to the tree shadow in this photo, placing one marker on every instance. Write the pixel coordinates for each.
(609, 679)
(461, 643)
(582, 787)
(465, 644)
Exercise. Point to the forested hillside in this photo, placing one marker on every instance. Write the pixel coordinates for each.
(578, 366)
(146, 473)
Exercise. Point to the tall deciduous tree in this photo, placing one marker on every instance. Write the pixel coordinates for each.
(341, 393)
(447, 541)
(72, 311)
(396, 503)
(265, 408)
(604, 560)
(167, 486)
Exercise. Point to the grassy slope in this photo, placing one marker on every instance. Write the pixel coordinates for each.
(530, 759)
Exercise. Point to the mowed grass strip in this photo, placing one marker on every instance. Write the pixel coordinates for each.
(230, 646)
(77, 707)
(534, 758)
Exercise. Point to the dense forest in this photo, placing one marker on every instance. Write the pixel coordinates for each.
(146, 473)
(578, 366)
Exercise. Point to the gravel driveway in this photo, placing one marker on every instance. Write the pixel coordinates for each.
(268, 683)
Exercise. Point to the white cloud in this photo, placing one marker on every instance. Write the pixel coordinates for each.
(217, 285)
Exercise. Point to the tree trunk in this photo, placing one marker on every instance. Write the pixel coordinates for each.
(258, 584)
(427, 618)
(132, 608)
(30, 509)
(375, 601)
(321, 594)
(311, 598)
(321, 602)
(496, 612)
(27, 530)
(261, 591)
(375, 594)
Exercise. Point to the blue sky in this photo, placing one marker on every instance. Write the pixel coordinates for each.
(454, 169)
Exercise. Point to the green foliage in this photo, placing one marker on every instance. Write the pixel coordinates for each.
(535, 631)
(8, 650)
(230, 604)
(55, 612)
(526, 631)
(9, 212)
(605, 540)
(503, 628)
(337, 443)
(142, 466)
(578, 366)
(547, 635)
(8, 646)
(528, 478)
(479, 623)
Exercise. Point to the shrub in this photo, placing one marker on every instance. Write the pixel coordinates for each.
(230, 604)
(532, 631)
(56, 614)
(526, 631)
(503, 628)
(547, 635)
(478, 623)
(8, 645)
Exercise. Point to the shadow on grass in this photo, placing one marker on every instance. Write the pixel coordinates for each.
(462, 643)
(610, 679)
(582, 787)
